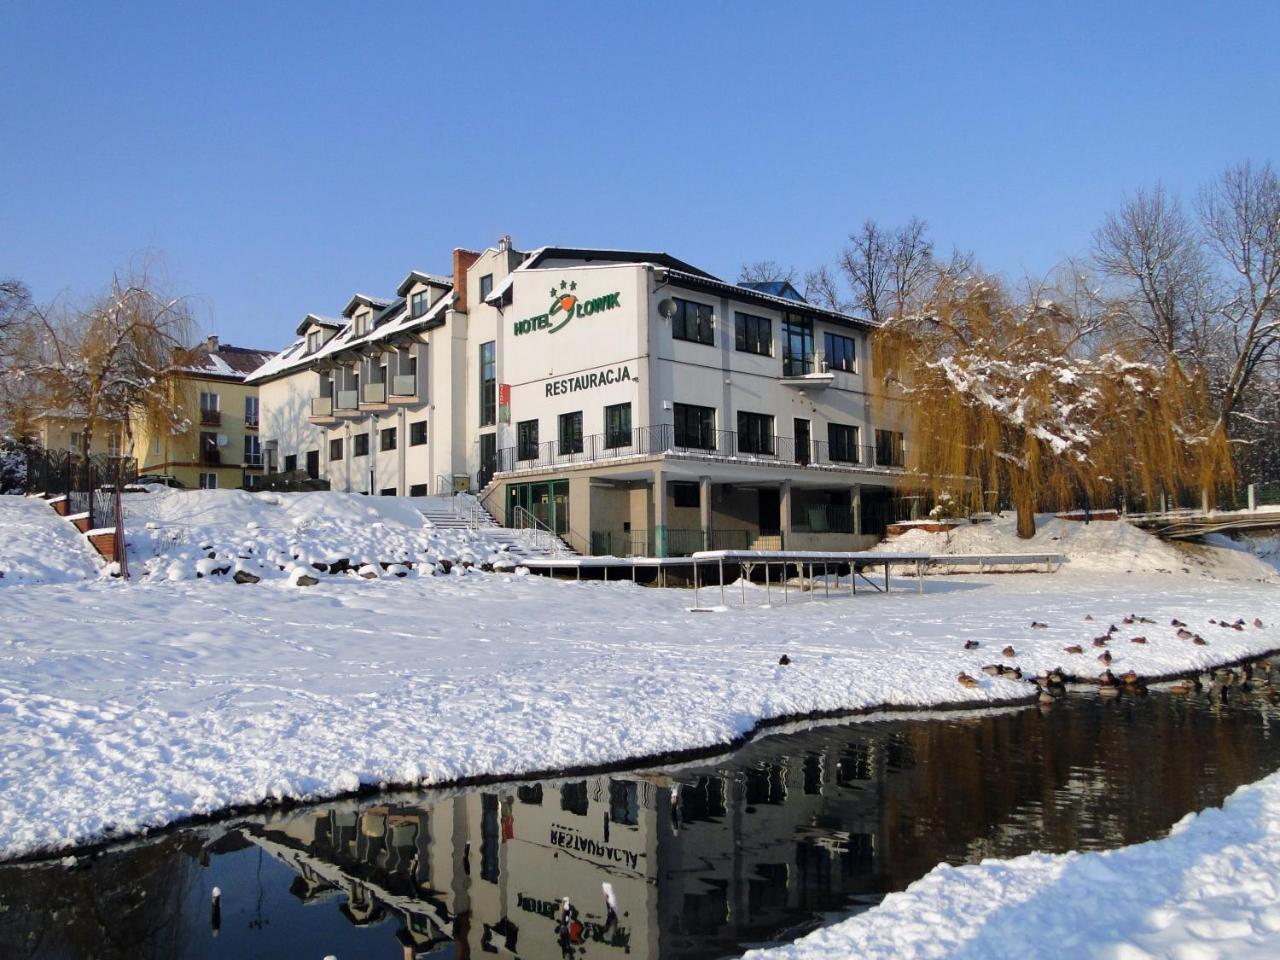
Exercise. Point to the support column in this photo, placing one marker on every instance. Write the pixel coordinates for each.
(784, 513)
(855, 507)
(704, 504)
(659, 513)
(1253, 497)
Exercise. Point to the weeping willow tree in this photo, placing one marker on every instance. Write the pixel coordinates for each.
(1027, 399)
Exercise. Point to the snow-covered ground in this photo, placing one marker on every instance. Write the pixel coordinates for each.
(38, 546)
(1210, 889)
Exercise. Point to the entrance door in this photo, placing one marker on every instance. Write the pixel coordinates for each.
(803, 452)
(313, 464)
(488, 458)
(547, 501)
(770, 512)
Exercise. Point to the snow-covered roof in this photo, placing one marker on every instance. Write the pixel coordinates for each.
(742, 292)
(365, 300)
(395, 319)
(223, 361)
(316, 320)
(417, 276)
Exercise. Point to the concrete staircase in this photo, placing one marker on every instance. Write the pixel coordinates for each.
(467, 513)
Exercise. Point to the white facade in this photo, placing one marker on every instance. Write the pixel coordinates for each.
(634, 404)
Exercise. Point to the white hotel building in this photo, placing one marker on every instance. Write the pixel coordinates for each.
(630, 402)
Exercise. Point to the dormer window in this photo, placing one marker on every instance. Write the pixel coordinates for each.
(486, 286)
(313, 341)
(362, 324)
(419, 302)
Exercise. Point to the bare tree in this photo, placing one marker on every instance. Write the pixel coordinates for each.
(1150, 250)
(822, 287)
(109, 360)
(766, 271)
(888, 269)
(15, 301)
(1240, 213)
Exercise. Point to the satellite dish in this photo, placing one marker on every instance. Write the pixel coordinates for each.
(667, 307)
(222, 439)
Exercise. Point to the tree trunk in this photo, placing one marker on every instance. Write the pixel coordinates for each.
(1026, 519)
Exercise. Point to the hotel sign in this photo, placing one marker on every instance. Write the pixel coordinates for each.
(565, 305)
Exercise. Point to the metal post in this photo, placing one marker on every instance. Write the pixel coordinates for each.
(919, 576)
(1253, 497)
(785, 583)
(768, 594)
(695, 583)
(742, 579)
(722, 603)
(826, 582)
(886, 576)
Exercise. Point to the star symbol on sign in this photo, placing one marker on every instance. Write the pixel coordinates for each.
(553, 291)
(563, 284)
(574, 285)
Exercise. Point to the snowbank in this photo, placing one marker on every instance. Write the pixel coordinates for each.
(125, 706)
(1210, 889)
(38, 546)
(1103, 546)
(171, 533)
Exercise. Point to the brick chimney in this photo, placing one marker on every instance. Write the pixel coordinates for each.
(211, 344)
(462, 261)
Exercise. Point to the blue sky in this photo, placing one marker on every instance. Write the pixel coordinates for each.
(284, 156)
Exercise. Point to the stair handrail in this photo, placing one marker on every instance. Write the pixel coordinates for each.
(536, 534)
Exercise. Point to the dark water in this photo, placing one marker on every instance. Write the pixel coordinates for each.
(702, 860)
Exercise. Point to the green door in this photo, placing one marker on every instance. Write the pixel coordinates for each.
(547, 501)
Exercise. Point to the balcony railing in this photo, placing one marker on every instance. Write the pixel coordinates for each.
(253, 460)
(709, 445)
(347, 400)
(404, 385)
(322, 406)
(250, 421)
(210, 418)
(211, 457)
(373, 393)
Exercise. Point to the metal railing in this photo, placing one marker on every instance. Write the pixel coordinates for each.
(210, 418)
(211, 457)
(250, 422)
(695, 444)
(535, 533)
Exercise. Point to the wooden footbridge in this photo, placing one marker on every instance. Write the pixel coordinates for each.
(1190, 524)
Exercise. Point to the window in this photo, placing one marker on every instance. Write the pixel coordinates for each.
(686, 494)
(75, 440)
(624, 802)
(387, 492)
(573, 797)
(839, 351)
(842, 443)
(362, 323)
(695, 427)
(290, 462)
(209, 448)
(335, 450)
(617, 425)
(418, 433)
(361, 446)
(486, 285)
(570, 433)
(313, 341)
(418, 490)
(209, 408)
(155, 446)
(488, 383)
(889, 448)
(753, 334)
(388, 441)
(252, 451)
(755, 433)
(113, 444)
(208, 481)
(419, 302)
(527, 440)
(797, 345)
(250, 411)
(692, 322)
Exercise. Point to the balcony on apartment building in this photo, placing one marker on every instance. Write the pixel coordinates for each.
(210, 418)
(710, 445)
(210, 456)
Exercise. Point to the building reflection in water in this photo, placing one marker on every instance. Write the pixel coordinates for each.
(701, 860)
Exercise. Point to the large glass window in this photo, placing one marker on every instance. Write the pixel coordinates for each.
(797, 345)
(752, 334)
(842, 443)
(570, 433)
(360, 446)
(488, 383)
(252, 450)
(417, 433)
(890, 450)
(250, 411)
(335, 450)
(839, 352)
(692, 322)
(388, 438)
(527, 440)
(755, 433)
(617, 425)
(695, 427)
(209, 409)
